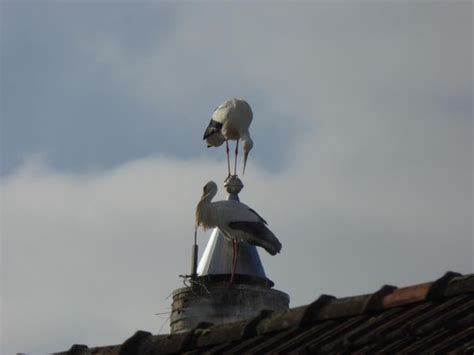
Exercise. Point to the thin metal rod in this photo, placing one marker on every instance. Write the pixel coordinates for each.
(194, 255)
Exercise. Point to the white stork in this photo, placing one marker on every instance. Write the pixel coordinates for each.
(236, 221)
(231, 120)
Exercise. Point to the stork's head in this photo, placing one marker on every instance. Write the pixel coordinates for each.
(202, 218)
(215, 140)
(209, 188)
(247, 144)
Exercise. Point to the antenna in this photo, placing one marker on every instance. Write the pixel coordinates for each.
(194, 255)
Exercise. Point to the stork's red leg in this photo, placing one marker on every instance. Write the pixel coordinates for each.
(236, 153)
(234, 262)
(227, 153)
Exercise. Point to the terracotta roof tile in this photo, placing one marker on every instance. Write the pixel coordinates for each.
(433, 317)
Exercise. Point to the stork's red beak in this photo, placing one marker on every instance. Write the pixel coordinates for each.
(246, 154)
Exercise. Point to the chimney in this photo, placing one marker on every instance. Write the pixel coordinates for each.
(210, 299)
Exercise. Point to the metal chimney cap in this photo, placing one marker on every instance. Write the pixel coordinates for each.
(233, 185)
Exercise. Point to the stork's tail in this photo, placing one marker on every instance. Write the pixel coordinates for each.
(259, 235)
(270, 243)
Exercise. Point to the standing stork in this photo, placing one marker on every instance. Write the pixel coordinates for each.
(231, 120)
(237, 222)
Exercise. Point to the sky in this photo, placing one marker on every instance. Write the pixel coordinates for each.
(362, 161)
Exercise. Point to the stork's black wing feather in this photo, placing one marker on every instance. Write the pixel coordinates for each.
(213, 127)
(259, 235)
(254, 228)
(261, 218)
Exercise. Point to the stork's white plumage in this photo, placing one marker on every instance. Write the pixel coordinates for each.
(231, 121)
(237, 222)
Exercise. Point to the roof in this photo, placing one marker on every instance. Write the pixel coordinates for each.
(433, 317)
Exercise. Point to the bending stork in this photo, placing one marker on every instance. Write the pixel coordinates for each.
(231, 121)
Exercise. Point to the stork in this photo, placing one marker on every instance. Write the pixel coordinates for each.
(236, 221)
(231, 121)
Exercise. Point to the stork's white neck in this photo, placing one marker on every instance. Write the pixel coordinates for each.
(247, 141)
(203, 211)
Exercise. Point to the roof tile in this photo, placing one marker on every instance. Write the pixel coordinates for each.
(433, 317)
(281, 320)
(460, 285)
(375, 301)
(344, 307)
(406, 295)
(438, 288)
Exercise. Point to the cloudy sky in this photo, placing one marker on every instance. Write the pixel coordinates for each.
(362, 164)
